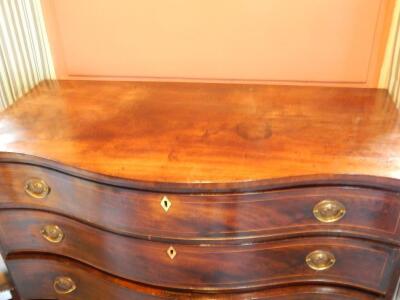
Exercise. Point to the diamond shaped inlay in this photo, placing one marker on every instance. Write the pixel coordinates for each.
(171, 252)
(165, 203)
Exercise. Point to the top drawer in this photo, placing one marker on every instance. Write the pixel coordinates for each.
(207, 217)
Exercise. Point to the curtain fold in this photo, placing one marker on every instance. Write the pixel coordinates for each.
(25, 57)
(390, 73)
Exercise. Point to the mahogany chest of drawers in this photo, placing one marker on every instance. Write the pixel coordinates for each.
(127, 190)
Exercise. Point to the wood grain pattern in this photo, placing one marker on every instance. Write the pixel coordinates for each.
(216, 218)
(212, 268)
(206, 133)
(92, 284)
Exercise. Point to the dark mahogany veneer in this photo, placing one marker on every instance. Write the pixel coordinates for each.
(371, 213)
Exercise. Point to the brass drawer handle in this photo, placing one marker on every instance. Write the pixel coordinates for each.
(37, 188)
(52, 233)
(320, 260)
(328, 211)
(64, 285)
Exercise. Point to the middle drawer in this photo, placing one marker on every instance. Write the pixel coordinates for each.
(349, 262)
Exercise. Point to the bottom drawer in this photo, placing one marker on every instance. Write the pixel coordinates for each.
(39, 276)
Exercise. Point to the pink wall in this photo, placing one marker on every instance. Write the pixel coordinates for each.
(326, 42)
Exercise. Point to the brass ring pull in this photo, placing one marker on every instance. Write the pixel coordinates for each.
(320, 260)
(37, 188)
(64, 285)
(328, 211)
(52, 233)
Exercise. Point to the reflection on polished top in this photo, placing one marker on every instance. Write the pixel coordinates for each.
(191, 132)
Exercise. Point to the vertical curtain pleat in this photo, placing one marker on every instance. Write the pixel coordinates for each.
(25, 57)
(393, 85)
(390, 73)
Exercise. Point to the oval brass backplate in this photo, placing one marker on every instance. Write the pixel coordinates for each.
(52, 233)
(328, 211)
(320, 260)
(64, 285)
(37, 188)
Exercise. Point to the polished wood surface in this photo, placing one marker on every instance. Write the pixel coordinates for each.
(210, 268)
(92, 284)
(205, 133)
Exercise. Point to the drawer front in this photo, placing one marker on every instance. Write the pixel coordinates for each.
(36, 275)
(368, 212)
(361, 264)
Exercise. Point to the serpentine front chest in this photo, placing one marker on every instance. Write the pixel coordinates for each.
(128, 190)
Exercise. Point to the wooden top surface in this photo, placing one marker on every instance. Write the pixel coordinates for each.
(214, 133)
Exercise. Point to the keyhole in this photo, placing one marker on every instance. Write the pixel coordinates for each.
(171, 252)
(165, 203)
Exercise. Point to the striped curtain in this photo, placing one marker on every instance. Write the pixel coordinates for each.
(25, 57)
(390, 73)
